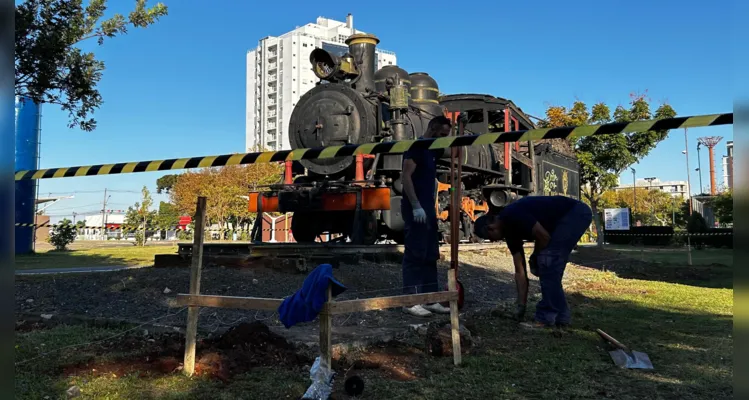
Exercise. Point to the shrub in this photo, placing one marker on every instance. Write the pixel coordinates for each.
(63, 235)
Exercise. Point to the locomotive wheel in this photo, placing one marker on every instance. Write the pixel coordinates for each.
(303, 228)
(369, 228)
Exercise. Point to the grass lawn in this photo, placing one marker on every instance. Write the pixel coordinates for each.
(704, 256)
(93, 257)
(685, 329)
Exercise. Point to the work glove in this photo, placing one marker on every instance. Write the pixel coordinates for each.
(420, 217)
(520, 313)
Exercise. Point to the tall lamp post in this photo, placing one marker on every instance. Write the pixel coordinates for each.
(689, 182)
(699, 165)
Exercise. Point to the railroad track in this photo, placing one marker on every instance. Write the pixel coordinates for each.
(312, 249)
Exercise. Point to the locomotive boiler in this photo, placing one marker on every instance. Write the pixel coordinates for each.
(359, 197)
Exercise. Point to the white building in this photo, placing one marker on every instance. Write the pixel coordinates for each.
(279, 72)
(674, 188)
(728, 166)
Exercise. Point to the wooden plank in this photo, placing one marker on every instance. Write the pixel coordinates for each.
(380, 303)
(192, 312)
(244, 303)
(454, 317)
(326, 329)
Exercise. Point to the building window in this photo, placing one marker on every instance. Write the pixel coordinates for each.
(304, 44)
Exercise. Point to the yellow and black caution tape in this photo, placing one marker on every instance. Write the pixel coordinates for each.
(671, 234)
(125, 230)
(378, 148)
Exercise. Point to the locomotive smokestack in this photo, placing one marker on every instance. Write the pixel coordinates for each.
(362, 47)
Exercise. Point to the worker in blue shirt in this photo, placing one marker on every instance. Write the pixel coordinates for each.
(420, 216)
(556, 224)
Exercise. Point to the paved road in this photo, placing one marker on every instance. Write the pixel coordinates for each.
(75, 270)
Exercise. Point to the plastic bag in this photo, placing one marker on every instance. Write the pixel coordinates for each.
(322, 381)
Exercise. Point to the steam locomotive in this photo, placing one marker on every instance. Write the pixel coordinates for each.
(359, 197)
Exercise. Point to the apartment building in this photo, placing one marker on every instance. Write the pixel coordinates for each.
(279, 73)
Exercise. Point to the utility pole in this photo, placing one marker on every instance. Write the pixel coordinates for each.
(103, 216)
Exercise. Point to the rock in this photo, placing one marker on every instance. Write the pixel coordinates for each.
(145, 332)
(29, 300)
(46, 316)
(440, 342)
(167, 291)
(255, 281)
(73, 391)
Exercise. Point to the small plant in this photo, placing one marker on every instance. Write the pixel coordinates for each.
(140, 239)
(63, 235)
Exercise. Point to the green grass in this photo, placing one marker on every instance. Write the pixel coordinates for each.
(93, 257)
(685, 329)
(705, 256)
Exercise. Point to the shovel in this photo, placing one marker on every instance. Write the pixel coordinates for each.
(624, 357)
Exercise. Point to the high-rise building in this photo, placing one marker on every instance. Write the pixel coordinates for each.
(279, 73)
(728, 166)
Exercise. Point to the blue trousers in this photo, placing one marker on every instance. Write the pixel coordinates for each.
(552, 261)
(421, 252)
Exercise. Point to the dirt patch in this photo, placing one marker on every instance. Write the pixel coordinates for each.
(246, 346)
(393, 360)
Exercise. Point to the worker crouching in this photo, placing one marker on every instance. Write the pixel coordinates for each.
(555, 224)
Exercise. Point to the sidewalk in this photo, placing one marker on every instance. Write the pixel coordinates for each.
(76, 270)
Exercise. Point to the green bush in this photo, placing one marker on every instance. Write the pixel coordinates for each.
(140, 239)
(63, 235)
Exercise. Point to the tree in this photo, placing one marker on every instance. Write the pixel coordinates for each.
(51, 69)
(653, 207)
(141, 217)
(722, 206)
(62, 235)
(168, 217)
(224, 189)
(80, 224)
(165, 183)
(602, 158)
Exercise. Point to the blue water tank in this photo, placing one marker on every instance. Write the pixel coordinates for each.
(28, 118)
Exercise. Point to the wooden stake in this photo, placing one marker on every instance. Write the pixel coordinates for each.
(326, 327)
(192, 312)
(454, 317)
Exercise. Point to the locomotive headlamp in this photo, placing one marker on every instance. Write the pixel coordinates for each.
(501, 198)
(330, 67)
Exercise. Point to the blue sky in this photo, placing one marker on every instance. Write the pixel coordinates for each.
(177, 89)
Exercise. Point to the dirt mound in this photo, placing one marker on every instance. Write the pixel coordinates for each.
(244, 347)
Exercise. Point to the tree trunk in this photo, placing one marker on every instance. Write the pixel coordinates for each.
(597, 223)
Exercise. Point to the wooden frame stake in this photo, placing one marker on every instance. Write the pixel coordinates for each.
(193, 311)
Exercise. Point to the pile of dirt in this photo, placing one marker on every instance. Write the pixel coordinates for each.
(246, 346)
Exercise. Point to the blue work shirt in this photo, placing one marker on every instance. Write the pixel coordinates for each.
(424, 177)
(520, 217)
